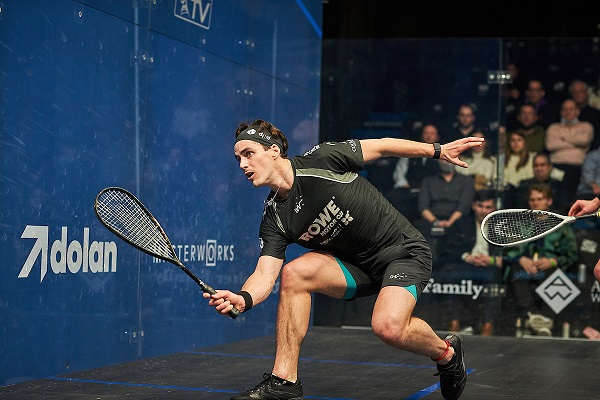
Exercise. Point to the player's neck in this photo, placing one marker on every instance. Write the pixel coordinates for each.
(286, 181)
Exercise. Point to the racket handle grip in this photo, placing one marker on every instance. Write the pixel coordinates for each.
(208, 289)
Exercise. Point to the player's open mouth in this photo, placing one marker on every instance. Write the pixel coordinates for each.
(249, 175)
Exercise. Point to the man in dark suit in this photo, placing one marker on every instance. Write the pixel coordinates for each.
(409, 174)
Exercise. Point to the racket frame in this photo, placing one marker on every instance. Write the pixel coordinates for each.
(513, 211)
(173, 259)
(565, 220)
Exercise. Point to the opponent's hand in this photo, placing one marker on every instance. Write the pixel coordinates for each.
(224, 301)
(451, 151)
(582, 207)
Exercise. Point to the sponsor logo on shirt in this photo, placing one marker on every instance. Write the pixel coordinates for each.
(329, 223)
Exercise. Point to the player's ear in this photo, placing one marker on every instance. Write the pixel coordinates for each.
(276, 151)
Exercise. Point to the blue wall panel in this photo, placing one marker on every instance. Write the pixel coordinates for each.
(97, 94)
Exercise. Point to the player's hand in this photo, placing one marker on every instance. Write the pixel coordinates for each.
(223, 301)
(451, 151)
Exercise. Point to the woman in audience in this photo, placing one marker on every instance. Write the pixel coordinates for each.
(518, 166)
(482, 165)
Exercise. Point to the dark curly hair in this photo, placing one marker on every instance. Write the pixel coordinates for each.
(265, 126)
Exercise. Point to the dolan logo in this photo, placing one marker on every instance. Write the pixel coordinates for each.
(74, 256)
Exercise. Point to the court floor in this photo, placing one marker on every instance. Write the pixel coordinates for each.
(341, 364)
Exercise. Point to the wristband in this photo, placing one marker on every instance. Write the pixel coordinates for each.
(552, 262)
(492, 260)
(247, 299)
(437, 150)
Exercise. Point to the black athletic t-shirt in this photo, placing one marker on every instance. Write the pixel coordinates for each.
(331, 207)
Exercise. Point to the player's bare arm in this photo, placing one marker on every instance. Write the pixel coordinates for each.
(258, 285)
(391, 147)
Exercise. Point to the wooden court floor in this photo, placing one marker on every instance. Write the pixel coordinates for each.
(340, 364)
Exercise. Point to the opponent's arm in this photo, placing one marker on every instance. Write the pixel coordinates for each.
(582, 207)
(390, 147)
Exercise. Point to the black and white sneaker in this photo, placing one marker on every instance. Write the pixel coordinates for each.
(453, 376)
(273, 388)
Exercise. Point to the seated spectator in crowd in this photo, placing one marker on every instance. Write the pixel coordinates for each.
(589, 184)
(464, 125)
(467, 256)
(527, 265)
(408, 175)
(535, 134)
(580, 94)
(542, 173)
(409, 172)
(568, 141)
(482, 165)
(518, 166)
(444, 198)
(535, 95)
(514, 91)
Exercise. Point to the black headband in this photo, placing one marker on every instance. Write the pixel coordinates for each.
(265, 137)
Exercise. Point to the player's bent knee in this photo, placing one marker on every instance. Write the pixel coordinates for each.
(294, 276)
(388, 331)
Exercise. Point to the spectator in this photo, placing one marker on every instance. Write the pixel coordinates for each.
(444, 198)
(530, 263)
(518, 166)
(542, 173)
(580, 94)
(409, 172)
(408, 175)
(568, 141)
(467, 256)
(535, 134)
(515, 90)
(465, 123)
(535, 95)
(589, 184)
(482, 165)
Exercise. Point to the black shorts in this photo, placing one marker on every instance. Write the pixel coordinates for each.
(412, 272)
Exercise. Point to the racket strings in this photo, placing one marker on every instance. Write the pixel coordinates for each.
(511, 227)
(128, 219)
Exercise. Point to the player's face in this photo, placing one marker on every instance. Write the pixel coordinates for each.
(483, 208)
(538, 201)
(256, 162)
